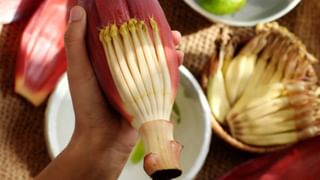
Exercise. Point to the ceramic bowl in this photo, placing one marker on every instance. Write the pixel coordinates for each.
(193, 131)
(254, 12)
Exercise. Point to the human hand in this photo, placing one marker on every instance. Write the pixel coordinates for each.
(102, 141)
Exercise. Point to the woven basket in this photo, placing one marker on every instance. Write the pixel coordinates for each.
(238, 37)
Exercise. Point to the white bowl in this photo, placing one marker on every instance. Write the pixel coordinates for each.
(254, 12)
(193, 131)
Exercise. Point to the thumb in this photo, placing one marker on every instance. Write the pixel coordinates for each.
(74, 36)
(80, 73)
(79, 68)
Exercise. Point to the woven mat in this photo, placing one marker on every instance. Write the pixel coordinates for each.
(23, 151)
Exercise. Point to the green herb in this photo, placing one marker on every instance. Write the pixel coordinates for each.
(176, 113)
(137, 153)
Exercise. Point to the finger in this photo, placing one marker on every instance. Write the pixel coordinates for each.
(84, 88)
(176, 37)
(180, 57)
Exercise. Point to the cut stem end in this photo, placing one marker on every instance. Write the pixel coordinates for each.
(162, 159)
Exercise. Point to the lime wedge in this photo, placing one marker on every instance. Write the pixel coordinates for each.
(222, 7)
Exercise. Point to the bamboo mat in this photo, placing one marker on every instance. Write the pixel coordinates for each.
(23, 151)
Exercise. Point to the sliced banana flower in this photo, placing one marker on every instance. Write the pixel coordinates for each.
(266, 92)
(287, 137)
(278, 122)
(218, 102)
(242, 66)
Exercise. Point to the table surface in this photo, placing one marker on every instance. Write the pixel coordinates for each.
(23, 152)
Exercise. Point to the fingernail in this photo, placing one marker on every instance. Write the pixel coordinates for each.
(76, 14)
